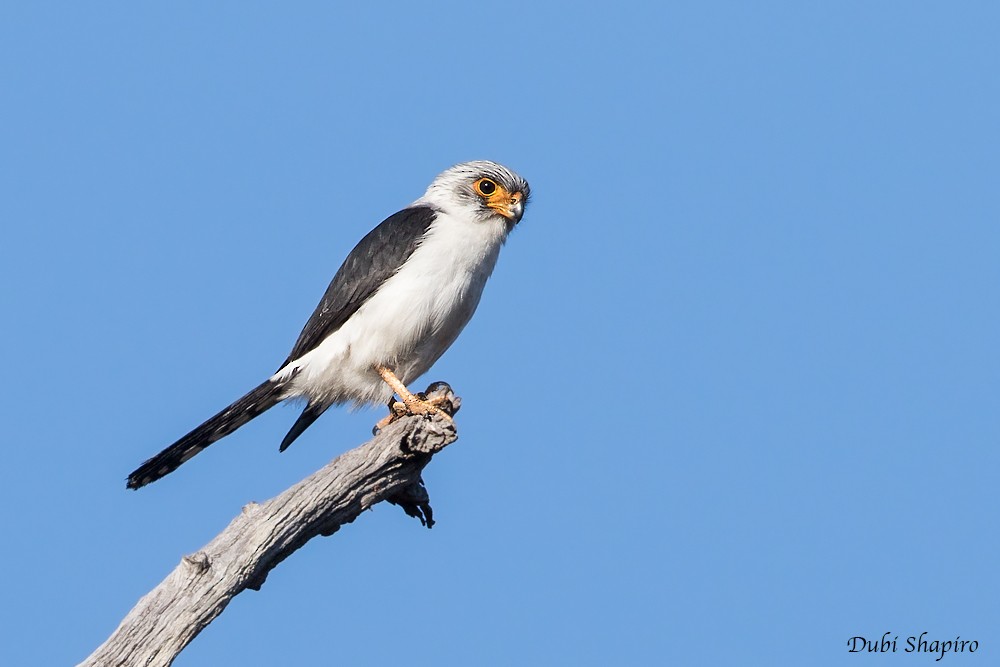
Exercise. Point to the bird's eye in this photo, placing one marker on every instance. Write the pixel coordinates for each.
(486, 187)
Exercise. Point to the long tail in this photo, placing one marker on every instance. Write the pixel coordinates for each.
(264, 396)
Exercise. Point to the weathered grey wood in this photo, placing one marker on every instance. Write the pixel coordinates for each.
(387, 467)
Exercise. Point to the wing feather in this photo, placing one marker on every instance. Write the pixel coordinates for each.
(375, 259)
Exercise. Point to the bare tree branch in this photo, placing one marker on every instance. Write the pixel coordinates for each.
(388, 467)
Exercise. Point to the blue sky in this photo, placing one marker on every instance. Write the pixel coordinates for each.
(731, 396)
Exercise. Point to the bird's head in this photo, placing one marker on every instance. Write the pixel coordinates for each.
(486, 190)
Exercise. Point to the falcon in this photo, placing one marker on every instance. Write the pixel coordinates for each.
(400, 299)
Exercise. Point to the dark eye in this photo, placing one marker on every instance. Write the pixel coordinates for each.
(486, 187)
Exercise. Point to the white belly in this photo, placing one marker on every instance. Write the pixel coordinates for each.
(409, 322)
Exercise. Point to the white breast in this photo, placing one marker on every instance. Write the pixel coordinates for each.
(410, 321)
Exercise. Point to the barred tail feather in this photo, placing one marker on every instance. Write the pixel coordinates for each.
(257, 401)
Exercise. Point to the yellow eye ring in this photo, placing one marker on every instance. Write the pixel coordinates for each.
(486, 187)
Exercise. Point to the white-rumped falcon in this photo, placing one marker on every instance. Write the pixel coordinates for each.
(397, 303)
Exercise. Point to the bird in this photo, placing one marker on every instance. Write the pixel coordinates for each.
(399, 300)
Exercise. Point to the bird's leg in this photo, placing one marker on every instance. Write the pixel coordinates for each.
(411, 403)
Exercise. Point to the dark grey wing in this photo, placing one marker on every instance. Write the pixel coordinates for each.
(373, 261)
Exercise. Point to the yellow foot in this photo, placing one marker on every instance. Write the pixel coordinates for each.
(441, 400)
(396, 410)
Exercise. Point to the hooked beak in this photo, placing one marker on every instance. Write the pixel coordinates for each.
(510, 207)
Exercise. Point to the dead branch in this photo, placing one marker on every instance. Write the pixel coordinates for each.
(388, 467)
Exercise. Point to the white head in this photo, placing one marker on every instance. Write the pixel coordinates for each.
(485, 190)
